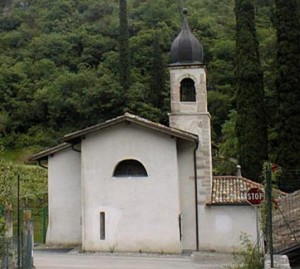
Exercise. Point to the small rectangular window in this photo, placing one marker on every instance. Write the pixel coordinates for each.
(102, 225)
(180, 228)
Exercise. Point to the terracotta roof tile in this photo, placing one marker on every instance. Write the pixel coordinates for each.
(231, 190)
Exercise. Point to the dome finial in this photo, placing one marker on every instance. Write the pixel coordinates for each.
(185, 11)
(186, 48)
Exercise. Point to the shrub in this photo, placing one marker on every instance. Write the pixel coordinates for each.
(248, 256)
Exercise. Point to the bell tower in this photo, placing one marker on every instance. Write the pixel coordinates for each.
(189, 101)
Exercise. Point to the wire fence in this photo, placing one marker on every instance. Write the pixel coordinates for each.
(8, 252)
(40, 220)
(284, 221)
(286, 225)
(39, 217)
(27, 226)
(16, 252)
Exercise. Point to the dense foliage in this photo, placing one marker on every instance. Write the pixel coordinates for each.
(124, 58)
(60, 68)
(251, 125)
(32, 187)
(288, 92)
(59, 63)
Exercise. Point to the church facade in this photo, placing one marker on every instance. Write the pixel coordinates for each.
(120, 188)
(129, 184)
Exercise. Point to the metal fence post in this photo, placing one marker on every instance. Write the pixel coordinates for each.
(18, 222)
(44, 224)
(269, 212)
(6, 254)
(28, 240)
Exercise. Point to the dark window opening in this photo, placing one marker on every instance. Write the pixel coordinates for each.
(130, 168)
(102, 225)
(180, 228)
(187, 90)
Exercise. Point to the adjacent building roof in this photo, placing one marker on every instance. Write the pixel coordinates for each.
(186, 48)
(286, 224)
(231, 190)
(75, 137)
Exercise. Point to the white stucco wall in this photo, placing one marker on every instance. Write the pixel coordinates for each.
(220, 227)
(141, 214)
(64, 198)
(187, 195)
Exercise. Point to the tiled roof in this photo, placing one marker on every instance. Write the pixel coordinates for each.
(286, 223)
(231, 190)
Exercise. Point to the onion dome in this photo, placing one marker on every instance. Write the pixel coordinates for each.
(186, 48)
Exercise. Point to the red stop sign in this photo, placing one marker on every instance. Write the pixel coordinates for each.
(255, 196)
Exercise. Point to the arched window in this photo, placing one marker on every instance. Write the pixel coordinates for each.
(187, 90)
(130, 168)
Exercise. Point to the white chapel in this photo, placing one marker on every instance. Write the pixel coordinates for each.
(129, 184)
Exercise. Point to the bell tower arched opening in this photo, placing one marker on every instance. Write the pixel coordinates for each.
(187, 90)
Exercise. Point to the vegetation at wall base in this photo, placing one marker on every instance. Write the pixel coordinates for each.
(248, 256)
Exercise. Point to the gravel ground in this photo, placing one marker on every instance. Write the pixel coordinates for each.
(66, 258)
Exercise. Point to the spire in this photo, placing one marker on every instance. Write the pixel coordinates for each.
(186, 48)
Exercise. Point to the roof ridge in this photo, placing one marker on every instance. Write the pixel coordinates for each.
(134, 118)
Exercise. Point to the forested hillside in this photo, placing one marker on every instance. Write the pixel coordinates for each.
(59, 65)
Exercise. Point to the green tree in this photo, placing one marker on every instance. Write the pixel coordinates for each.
(218, 105)
(59, 62)
(103, 99)
(251, 124)
(288, 92)
(225, 162)
(33, 184)
(138, 105)
(124, 64)
(158, 76)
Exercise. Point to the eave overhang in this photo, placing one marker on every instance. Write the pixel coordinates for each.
(43, 155)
